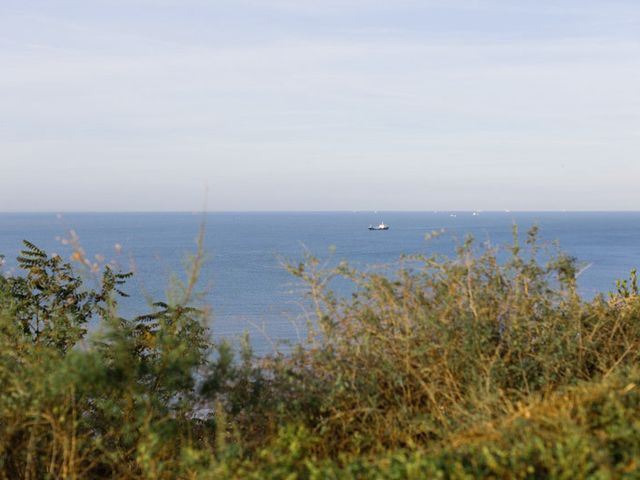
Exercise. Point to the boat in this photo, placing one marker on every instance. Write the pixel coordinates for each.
(382, 226)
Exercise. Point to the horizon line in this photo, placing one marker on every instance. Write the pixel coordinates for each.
(199, 212)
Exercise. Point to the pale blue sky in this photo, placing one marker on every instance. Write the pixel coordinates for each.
(319, 105)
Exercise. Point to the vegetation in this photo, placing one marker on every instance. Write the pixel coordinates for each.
(489, 364)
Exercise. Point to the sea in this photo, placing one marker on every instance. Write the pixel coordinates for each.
(244, 280)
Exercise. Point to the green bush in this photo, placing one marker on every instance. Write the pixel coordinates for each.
(489, 364)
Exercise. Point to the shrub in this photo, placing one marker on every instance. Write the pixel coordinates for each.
(448, 343)
(489, 364)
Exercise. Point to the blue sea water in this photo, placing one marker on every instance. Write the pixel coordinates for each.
(245, 280)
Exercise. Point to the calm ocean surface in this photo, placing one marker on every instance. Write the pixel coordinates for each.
(245, 282)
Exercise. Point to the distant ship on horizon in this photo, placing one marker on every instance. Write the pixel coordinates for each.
(382, 226)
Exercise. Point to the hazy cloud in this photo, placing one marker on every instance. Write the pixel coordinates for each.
(289, 105)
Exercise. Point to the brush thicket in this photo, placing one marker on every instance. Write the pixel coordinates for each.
(487, 364)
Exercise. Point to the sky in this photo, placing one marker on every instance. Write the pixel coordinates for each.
(168, 105)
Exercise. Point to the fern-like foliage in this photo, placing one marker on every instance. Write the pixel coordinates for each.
(51, 303)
